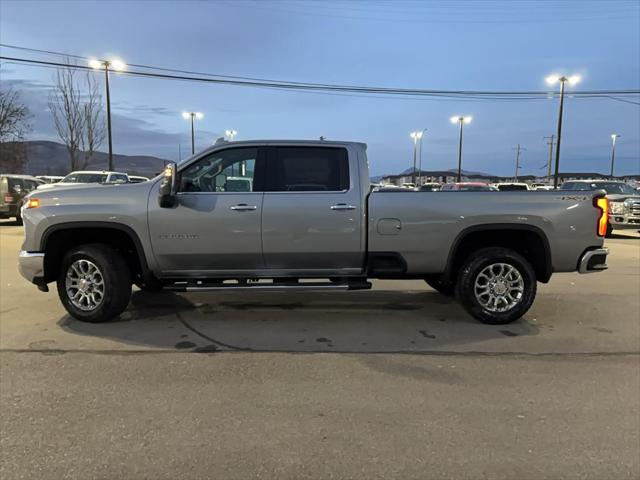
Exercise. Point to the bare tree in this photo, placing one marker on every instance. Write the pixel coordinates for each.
(93, 131)
(14, 126)
(65, 103)
(14, 117)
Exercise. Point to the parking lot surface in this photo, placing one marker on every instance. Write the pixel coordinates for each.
(396, 382)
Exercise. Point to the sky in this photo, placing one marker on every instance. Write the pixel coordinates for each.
(465, 45)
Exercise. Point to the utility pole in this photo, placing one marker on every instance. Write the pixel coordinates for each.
(551, 143)
(518, 149)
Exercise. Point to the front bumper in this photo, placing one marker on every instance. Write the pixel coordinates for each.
(624, 221)
(31, 266)
(593, 260)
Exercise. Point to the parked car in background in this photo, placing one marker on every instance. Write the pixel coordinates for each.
(468, 187)
(137, 179)
(88, 176)
(512, 187)
(49, 178)
(13, 190)
(541, 187)
(429, 187)
(624, 201)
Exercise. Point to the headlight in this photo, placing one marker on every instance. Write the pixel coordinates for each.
(616, 207)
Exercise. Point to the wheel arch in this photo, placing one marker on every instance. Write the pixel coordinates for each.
(58, 238)
(524, 239)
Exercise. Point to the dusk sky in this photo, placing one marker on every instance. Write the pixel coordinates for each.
(466, 45)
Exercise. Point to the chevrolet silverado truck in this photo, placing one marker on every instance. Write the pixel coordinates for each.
(295, 215)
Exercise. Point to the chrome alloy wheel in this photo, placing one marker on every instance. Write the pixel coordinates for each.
(84, 285)
(499, 287)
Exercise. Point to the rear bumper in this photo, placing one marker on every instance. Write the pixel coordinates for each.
(8, 210)
(31, 266)
(593, 260)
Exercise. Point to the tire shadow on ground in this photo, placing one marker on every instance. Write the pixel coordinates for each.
(374, 321)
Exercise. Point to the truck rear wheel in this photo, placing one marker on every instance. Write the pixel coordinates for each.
(94, 283)
(496, 285)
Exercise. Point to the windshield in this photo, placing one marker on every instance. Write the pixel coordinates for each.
(610, 187)
(85, 178)
(622, 188)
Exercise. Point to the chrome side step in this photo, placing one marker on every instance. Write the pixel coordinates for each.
(201, 286)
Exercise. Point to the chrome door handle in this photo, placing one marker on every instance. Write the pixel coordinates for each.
(243, 207)
(342, 206)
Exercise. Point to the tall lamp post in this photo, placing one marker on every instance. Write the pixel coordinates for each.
(118, 66)
(230, 134)
(461, 120)
(424, 130)
(614, 136)
(552, 80)
(415, 136)
(192, 115)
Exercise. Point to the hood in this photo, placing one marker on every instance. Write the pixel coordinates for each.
(620, 197)
(49, 186)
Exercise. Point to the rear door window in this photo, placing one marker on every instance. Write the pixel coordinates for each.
(309, 169)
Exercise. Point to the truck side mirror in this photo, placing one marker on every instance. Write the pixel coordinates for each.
(168, 186)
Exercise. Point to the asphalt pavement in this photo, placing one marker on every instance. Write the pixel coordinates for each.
(396, 382)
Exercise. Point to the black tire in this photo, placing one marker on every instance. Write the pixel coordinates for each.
(115, 275)
(442, 286)
(477, 262)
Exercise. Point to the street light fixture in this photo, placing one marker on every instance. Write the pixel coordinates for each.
(192, 115)
(614, 136)
(118, 66)
(420, 156)
(415, 136)
(461, 120)
(552, 80)
(230, 134)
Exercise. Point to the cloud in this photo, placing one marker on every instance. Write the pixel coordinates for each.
(134, 132)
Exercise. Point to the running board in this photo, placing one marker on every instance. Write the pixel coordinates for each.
(199, 286)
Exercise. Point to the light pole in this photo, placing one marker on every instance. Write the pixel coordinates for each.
(420, 156)
(614, 136)
(192, 115)
(118, 66)
(552, 80)
(230, 134)
(461, 120)
(415, 137)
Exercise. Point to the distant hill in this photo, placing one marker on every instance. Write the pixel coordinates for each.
(465, 173)
(51, 158)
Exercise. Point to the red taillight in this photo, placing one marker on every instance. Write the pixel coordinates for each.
(8, 198)
(603, 204)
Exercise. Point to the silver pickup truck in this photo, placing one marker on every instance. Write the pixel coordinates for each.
(280, 215)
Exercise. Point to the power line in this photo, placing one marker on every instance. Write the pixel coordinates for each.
(479, 94)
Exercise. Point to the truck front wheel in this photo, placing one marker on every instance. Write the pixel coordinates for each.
(496, 285)
(94, 283)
